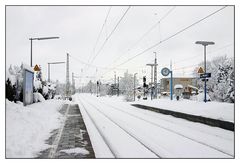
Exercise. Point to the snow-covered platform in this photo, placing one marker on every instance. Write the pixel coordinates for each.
(72, 139)
(210, 113)
(208, 121)
(48, 129)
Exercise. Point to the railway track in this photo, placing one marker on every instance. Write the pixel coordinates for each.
(152, 123)
(115, 123)
(168, 129)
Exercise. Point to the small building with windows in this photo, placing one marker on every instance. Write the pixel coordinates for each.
(188, 84)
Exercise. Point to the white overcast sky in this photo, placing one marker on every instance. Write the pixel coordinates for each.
(79, 26)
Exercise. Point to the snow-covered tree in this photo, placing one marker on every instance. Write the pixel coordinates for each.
(39, 74)
(225, 82)
(126, 86)
(60, 88)
(104, 89)
(14, 83)
(221, 84)
(90, 87)
(47, 89)
(10, 90)
(38, 86)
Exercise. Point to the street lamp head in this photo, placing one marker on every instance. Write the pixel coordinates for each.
(150, 64)
(44, 38)
(56, 63)
(204, 43)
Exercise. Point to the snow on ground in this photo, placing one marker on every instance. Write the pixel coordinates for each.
(37, 84)
(75, 151)
(101, 150)
(126, 147)
(165, 135)
(28, 127)
(37, 97)
(215, 110)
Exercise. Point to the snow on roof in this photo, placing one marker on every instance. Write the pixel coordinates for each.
(27, 67)
(193, 87)
(178, 86)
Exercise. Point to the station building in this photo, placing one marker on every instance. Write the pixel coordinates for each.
(189, 85)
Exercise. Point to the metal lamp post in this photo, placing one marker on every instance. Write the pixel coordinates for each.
(155, 75)
(205, 44)
(44, 38)
(49, 68)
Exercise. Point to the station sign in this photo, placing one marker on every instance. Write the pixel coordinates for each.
(205, 75)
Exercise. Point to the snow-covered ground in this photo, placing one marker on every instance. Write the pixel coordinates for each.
(28, 127)
(215, 110)
(120, 130)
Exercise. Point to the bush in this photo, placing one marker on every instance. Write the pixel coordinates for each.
(10, 90)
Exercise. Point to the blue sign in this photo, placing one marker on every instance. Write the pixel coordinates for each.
(205, 75)
(165, 71)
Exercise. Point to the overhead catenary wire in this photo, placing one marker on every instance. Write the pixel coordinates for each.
(186, 59)
(98, 37)
(209, 53)
(184, 67)
(146, 33)
(108, 37)
(171, 36)
(91, 65)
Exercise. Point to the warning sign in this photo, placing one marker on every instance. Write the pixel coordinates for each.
(36, 68)
(200, 70)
